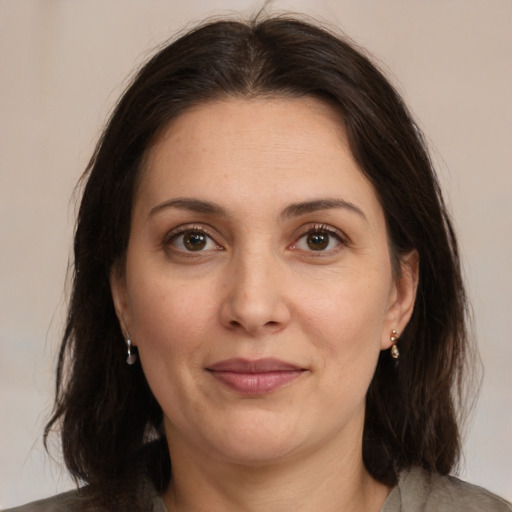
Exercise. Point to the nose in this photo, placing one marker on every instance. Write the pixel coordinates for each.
(254, 301)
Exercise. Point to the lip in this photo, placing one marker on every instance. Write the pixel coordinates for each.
(255, 377)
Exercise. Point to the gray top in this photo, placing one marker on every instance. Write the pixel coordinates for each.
(420, 491)
(417, 491)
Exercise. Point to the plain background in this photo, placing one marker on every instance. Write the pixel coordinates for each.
(63, 64)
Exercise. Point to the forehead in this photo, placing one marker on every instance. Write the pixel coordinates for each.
(249, 123)
(287, 149)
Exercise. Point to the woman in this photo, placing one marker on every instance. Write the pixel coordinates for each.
(267, 308)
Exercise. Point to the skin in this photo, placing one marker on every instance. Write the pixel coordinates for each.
(261, 286)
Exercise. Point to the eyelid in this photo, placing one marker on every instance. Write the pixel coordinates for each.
(300, 233)
(185, 228)
(321, 228)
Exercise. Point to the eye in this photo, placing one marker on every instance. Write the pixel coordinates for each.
(192, 240)
(319, 239)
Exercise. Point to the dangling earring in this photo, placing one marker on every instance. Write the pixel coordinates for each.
(131, 358)
(395, 353)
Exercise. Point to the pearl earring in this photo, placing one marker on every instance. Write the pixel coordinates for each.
(131, 358)
(395, 353)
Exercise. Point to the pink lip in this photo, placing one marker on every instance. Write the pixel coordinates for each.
(255, 377)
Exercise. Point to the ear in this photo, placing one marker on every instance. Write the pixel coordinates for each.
(120, 297)
(402, 297)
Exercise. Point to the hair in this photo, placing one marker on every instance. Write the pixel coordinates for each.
(104, 409)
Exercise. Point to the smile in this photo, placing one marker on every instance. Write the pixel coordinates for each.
(255, 377)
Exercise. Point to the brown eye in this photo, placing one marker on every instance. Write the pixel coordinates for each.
(192, 240)
(317, 241)
(320, 239)
(195, 240)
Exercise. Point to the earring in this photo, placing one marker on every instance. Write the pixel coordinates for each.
(395, 353)
(131, 358)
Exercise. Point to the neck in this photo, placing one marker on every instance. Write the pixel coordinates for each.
(318, 481)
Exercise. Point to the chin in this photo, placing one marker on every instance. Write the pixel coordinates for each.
(259, 453)
(259, 441)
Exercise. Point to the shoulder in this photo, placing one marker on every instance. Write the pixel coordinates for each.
(135, 491)
(429, 492)
(136, 499)
(71, 500)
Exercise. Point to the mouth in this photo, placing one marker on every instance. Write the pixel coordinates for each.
(255, 377)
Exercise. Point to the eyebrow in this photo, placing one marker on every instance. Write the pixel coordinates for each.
(292, 210)
(190, 204)
(305, 207)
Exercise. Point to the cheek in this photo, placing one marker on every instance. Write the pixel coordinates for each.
(345, 323)
(346, 313)
(168, 316)
(171, 322)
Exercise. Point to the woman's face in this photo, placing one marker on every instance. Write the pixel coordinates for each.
(258, 284)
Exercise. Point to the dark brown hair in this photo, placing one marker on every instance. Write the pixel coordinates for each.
(104, 408)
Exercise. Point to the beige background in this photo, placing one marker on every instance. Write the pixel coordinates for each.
(63, 64)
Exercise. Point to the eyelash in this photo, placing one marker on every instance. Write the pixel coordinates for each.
(322, 229)
(180, 231)
(331, 232)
